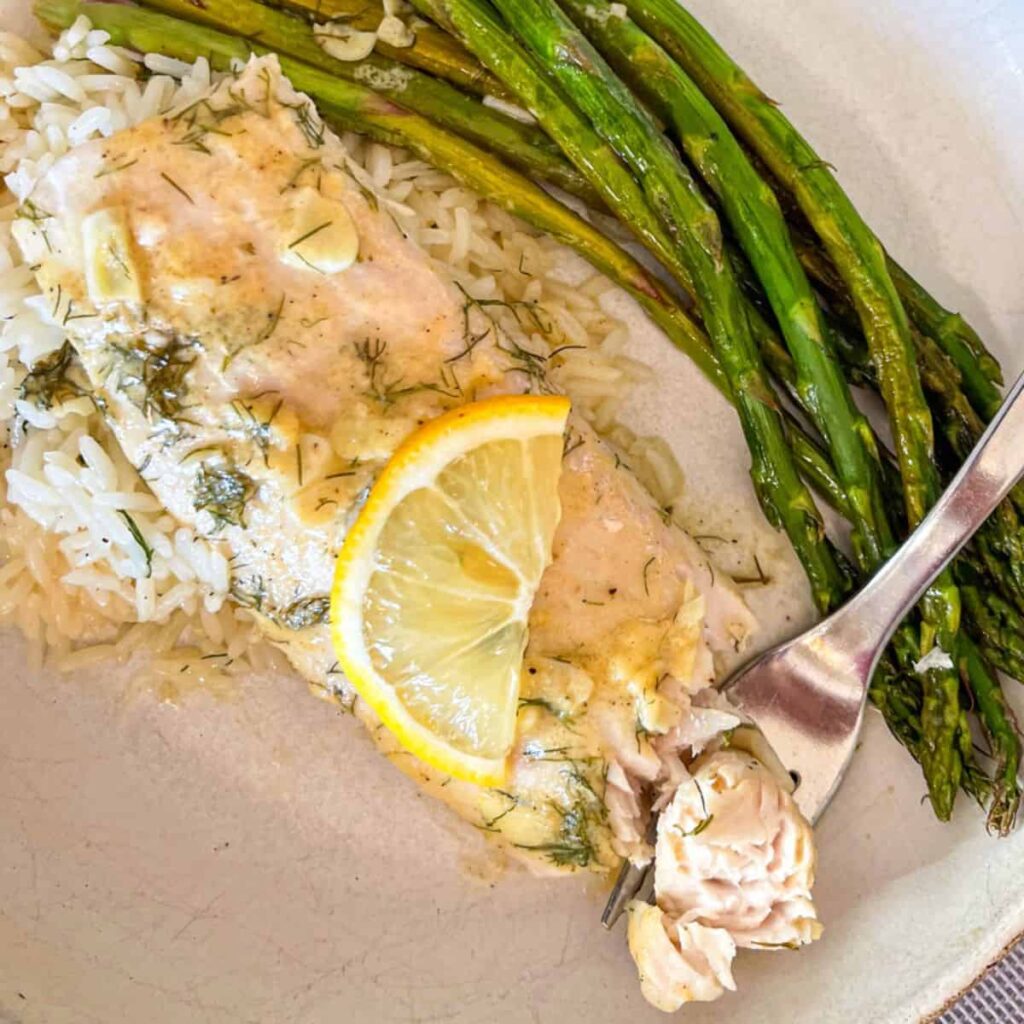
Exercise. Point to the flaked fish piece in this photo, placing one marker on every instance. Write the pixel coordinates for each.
(261, 336)
(734, 868)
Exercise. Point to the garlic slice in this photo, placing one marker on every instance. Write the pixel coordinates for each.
(111, 274)
(344, 43)
(395, 32)
(317, 234)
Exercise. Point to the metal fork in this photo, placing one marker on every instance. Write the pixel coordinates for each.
(807, 695)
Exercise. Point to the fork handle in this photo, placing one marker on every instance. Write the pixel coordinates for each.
(866, 623)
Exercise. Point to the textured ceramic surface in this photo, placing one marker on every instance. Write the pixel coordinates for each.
(252, 858)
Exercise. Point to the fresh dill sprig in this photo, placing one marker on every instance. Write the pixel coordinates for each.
(48, 383)
(306, 612)
(584, 812)
(177, 188)
(273, 319)
(257, 430)
(250, 592)
(309, 234)
(647, 568)
(155, 380)
(116, 168)
(137, 536)
(223, 491)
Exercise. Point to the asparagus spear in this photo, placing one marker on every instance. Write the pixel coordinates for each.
(754, 215)
(1001, 538)
(1000, 731)
(896, 688)
(476, 25)
(950, 331)
(524, 146)
(976, 369)
(959, 341)
(433, 51)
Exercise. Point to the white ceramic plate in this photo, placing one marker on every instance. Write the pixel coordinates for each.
(253, 859)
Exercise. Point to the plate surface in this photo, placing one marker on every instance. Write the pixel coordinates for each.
(253, 859)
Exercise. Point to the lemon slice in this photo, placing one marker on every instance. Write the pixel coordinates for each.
(435, 580)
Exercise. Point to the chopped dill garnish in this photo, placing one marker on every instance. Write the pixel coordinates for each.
(71, 315)
(564, 348)
(371, 198)
(177, 188)
(250, 593)
(309, 611)
(640, 732)
(223, 491)
(309, 263)
(647, 567)
(513, 804)
(371, 355)
(273, 319)
(47, 384)
(298, 463)
(762, 579)
(133, 529)
(257, 430)
(309, 234)
(116, 168)
(304, 165)
(697, 829)
(32, 211)
(575, 843)
(308, 121)
(155, 380)
(570, 444)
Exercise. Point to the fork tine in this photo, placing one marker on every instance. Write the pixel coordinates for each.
(634, 882)
(628, 885)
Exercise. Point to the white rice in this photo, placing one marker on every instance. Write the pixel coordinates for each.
(91, 567)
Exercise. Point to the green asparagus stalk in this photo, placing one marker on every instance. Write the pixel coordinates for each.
(852, 247)
(581, 72)
(956, 338)
(433, 51)
(1001, 539)
(860, 260)
(977, 370)
(475, 24)
(1000, 731)
(896, 688)
(754, 215)
(524, 146)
